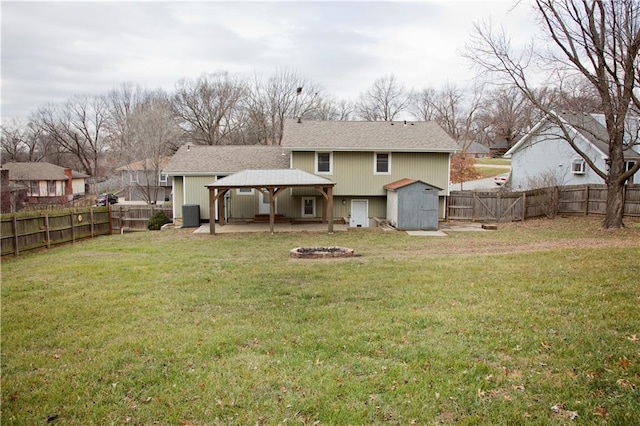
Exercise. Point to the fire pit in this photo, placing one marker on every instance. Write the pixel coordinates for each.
(320, 252)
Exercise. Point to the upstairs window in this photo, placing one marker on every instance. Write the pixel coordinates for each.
(578, 167)
(382, 163)
(324, 163)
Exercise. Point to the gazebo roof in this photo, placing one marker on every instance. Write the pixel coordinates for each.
(270, 178)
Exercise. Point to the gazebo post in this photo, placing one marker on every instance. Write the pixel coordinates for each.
(212, 211)
(272, 209)
(330, 207)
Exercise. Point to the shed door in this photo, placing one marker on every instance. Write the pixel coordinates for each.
(429, 210)
(359, 214)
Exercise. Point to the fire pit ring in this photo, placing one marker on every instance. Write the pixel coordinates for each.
(320, 252)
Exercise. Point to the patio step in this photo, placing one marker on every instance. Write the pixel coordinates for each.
(264, 218)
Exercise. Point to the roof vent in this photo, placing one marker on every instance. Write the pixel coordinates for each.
(299, 120)
(405, 122)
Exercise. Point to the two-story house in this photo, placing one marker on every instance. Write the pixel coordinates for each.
(360, 159)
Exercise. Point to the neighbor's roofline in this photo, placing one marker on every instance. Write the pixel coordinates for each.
(371, 149)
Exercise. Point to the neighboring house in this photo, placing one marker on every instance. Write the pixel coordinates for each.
(543, 158)
(143, 181)
(498, 148)
(359, 157)
(477, 150)
(14, 195)
(47, 183)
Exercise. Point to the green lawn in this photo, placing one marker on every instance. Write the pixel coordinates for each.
(181, 329)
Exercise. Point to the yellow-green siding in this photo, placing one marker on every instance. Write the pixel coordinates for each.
(354, 171)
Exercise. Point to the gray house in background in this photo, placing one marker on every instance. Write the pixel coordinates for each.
(412, 205)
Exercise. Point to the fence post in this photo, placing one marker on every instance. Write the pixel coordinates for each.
(47, 230)
(110, 220)
(524, 206)
(92, 219)
(16, 249)
(586, 202)
(498, 210)
(473, 207)
(73, 228)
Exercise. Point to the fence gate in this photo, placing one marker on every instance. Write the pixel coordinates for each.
(486, 206)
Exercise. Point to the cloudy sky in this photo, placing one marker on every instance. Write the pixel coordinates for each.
(54, 50)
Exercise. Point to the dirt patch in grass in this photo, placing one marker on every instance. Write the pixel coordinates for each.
(542, 235)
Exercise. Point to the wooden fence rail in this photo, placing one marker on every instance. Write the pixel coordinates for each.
(501, 206)
(25, 231)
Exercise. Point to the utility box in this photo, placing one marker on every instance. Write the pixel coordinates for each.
(412, 205)
(190, 215)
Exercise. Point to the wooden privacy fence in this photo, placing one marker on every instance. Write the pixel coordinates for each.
(31, 230)
(39, 229)
(501, 206)
(135, 217)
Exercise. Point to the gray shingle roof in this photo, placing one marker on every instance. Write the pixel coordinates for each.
(265, 178)
(39, 171)
(225, 159)
(421, 136)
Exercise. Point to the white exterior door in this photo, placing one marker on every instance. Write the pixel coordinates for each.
(263, 207)
(359, 214)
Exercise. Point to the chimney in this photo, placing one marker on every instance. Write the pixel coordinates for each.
(68, 187)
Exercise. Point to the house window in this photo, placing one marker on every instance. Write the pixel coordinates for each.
(51, 187)
(382, 163)
(308, 207)
(35, 188)
(244, 191)
(578, 167)
(163, 178)
(324, 162)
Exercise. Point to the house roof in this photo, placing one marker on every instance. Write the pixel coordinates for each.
(406, 182)
(270, 178)
(421, 136)
(588, 126)
(39, 171)
(477, 148)
(225, 159)
(146, 164)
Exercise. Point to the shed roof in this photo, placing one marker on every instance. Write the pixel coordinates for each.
(270, 178)
(411, 136)
(225, 159)
(406, 182)
(39, 171)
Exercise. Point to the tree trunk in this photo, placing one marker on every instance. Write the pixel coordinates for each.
(615, 205)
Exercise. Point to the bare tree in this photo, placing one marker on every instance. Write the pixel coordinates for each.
(77, 127)
(207, 106)
(23, 142)
(384, 100)
(153, 131)
(122, 101)
(594, 41)
(284, 95)
(453, 108)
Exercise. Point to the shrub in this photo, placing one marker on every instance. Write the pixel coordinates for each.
(157, 220)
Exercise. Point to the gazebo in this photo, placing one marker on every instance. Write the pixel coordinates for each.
(271, 183)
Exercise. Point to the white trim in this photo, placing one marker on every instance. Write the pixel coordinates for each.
(582, 166)
(330, 172)
(313, 213)
(375, 163)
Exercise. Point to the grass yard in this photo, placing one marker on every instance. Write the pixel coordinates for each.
(536, 323)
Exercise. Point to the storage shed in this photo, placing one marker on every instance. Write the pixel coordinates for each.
(412, 205)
